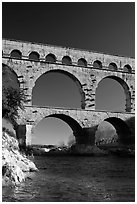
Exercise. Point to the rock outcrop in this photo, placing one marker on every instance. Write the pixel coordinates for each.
(15, 165)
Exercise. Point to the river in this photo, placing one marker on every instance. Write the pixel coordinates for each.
(77, 179)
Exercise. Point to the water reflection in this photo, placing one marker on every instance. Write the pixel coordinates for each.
(77, 179)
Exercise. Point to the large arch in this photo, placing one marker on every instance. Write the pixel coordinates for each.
(72, 123)
(113, 130)
(71, 76)
(122, 129)
(126, 90)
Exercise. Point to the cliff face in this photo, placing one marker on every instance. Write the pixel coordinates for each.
(15, 166)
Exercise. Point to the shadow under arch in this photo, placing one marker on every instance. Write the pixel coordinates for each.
(122, 129)
(126, 90)
(73, 124)
(71, 76)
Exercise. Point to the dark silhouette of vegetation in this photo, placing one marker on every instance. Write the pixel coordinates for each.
(12, 96)
(9, 132)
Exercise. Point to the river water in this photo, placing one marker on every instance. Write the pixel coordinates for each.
(76, 179)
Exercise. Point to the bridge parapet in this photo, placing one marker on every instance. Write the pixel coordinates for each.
(75, 54)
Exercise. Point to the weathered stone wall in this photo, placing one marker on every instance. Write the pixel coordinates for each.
(29, 71)
(85, 118)
(86, 77)
(90, 56)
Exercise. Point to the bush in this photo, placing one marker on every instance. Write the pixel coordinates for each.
(9, 132)
(12, 96)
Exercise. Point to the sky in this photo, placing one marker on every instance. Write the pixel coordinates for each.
(102, 27)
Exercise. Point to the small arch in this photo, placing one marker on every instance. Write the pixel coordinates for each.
(82, 62)
(127, 68)
(16, 54)
(66, 60)
(51, 58)
(97, 64)
(34, 56)
(112, 66)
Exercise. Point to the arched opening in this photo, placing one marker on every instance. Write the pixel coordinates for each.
(57, 129)
(112, 94)
(82, 62)
(51, 58)
(113, 131)
(16, 54)
(58, 88)
(127, 68)
(105, 134)
(112, 66)
(34, 56)
(97, 64)
(66, 60)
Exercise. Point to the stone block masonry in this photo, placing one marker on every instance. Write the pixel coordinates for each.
(86, 68)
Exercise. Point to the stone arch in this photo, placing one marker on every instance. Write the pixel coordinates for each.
(16, 54)
(97, 64)
(77, 82)
(122, 129)
(66, 60)
(34, 56)
(127, 68)
(74, 125)
(126, 90)
(51, 58)
(113, 66)
(122, 133)
(82, 62)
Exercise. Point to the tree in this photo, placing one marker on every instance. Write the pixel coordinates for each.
(12, 96)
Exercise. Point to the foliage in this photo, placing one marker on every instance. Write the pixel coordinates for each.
(12, 99)
(9, 132)
(12, 96)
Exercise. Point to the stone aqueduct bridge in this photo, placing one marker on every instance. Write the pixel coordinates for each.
(30, 60)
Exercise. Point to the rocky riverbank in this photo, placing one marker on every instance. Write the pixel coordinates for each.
(16, 167)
